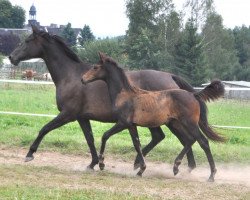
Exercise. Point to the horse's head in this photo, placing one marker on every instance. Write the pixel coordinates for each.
(98, 71)
(30, 48)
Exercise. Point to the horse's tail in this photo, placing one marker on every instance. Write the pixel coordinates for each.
(182, 83)
(212, 92)
(200, 96)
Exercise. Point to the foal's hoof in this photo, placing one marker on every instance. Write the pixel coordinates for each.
(28, 158)
(136, 166)
(101, 166)
(176, 171)
(89, 168)
(142, 169)
(211, 179)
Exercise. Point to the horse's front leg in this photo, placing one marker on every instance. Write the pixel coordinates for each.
(115, 129)
(59, 120)
(136, 141)
(87, 130)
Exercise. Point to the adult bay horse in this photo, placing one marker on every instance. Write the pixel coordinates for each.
(91, 102)
(136, 107)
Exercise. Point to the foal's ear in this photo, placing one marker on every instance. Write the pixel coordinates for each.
(34, 29)
(102, 57)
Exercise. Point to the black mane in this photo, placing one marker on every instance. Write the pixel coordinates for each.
(122, 74)
(61, 42)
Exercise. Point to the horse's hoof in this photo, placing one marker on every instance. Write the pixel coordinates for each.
(28, 158)
(139, 174)
(190, 169)
(101, 166)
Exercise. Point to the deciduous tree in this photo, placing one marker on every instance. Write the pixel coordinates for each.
(11, 16)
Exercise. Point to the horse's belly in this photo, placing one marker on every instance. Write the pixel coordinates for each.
(146, 119)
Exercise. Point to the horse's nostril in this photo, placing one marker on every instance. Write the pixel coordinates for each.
(9, 56)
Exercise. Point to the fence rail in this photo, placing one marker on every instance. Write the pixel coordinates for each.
(52, 116)
(51, 83)
(27, 82)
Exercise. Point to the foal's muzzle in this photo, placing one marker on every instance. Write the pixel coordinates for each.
(83, 81)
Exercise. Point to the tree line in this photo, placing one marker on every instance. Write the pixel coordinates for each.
(192, 43)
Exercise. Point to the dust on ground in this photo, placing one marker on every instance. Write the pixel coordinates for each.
(226, 173)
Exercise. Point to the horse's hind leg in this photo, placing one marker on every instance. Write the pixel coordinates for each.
(135, 138)
(177, 129)
(157, 136)
(87, 130)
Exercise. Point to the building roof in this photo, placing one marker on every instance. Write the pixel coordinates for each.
(32, 10)
(13, 31)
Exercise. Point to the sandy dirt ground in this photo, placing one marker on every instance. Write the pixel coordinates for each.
(226, 173)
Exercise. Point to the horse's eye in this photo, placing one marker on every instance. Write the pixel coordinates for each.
(95, 68)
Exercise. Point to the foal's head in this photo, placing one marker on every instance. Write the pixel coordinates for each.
(100, 70)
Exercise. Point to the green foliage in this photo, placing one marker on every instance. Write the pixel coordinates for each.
(69, 35)
(218, 45)
(11, 16)
(8, 42)
(242, 46)
(145, 38)
(86, 35)
(111, 46)
(157, 39)
(1, 60)
(188, 55)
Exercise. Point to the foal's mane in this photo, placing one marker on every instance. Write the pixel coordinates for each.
(61, 42)
(122, 75)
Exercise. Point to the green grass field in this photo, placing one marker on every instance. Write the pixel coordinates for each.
(21, 130)
(25, 182)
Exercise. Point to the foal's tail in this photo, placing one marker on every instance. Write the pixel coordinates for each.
(212, 92)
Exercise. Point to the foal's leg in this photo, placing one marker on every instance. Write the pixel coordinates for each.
(135, 138)
(87, 130)
(179, 158)
(203, 142)
(176, 128)
(60, 120)
(115, 129)
(157, 136)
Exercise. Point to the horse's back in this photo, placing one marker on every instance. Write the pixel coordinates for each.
(152, 80)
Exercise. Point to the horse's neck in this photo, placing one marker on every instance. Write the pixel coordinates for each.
(60, 66)
(115, 85)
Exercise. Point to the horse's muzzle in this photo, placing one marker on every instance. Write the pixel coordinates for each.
(13, 61)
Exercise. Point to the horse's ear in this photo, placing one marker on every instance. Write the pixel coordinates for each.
(34, 29)
(102, 57)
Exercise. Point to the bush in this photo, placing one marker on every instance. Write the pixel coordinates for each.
(112, 47)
